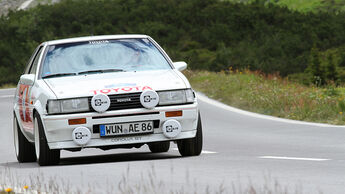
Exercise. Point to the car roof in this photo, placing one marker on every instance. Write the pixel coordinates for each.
(94, 38)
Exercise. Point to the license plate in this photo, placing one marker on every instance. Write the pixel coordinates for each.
(126, 128)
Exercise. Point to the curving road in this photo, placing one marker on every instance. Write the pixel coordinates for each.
(241, 149)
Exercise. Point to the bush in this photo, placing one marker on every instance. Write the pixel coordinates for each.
(324, 67)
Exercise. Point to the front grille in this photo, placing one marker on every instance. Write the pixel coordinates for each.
(119, 101)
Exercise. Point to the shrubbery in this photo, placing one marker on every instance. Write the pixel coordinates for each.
(208, 34)
(325, 67)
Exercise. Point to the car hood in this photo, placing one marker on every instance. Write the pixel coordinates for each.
(114, 83)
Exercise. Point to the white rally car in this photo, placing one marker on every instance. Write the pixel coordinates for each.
(118, 91)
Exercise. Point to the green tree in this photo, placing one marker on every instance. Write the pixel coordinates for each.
(315, 68)
(331, 68)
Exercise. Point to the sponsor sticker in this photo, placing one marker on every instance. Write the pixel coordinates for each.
(121, 89)
(98, 41)
(171, 128)
(149, 99)
(100, 102)
(81, 135)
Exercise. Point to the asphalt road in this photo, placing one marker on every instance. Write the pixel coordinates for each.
(240, 150)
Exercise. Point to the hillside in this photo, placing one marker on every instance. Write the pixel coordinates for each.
(298, 5)
(6, 5)
(209, 35)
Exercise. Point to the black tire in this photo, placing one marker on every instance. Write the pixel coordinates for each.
(193, 146)
(45, 156)
(25, 151)
(158, 147)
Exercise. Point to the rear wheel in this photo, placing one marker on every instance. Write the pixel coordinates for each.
(193, 146)
(45, 156)
(157, 147)
(25, 151)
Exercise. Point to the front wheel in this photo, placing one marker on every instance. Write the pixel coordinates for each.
(193, 146)
(45, 156)
(25, 151)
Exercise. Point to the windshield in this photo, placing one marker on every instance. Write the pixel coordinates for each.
(102, 56)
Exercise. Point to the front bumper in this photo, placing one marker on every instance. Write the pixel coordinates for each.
(59, 132)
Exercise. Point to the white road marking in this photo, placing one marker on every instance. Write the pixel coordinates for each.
(203, 151)
(204, 98)
(25, 4)
(7, 96)
(207, 152)
(294, 158)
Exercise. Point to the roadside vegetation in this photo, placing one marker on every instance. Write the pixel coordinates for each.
(209, 35)
(5, 86)
(331, 6)
(149, 183)
(272, 95)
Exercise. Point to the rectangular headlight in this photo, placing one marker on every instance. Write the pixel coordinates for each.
(68, 105)
(74, 105)
(54, 107)
(176, 97)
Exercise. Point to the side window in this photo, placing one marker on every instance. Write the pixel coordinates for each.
(27, 68)
(35, 62)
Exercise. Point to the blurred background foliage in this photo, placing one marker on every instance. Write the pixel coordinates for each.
(264, 35)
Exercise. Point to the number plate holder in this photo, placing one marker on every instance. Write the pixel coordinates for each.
(132, 128)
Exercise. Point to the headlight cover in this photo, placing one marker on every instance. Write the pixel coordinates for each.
(176, 97)
(68, 106)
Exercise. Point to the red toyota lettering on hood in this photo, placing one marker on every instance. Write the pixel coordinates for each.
(124, 89)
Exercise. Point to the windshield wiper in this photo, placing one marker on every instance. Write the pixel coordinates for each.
(100, 71)
(58, 75)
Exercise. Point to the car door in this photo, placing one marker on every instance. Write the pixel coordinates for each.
(25, 99)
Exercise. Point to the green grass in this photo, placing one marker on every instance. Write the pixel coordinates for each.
(5, 86)
(272, 95)
(313, 5)
(306, 5)
(301, 5)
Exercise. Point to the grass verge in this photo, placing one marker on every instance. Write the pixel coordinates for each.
(5, 86)
(305, 6)
(149, 182)
(272, 95)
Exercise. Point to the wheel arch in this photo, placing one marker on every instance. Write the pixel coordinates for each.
(34, 112)
(39, 110)
(19, 124)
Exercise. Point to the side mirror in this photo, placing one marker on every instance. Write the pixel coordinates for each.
(27, 79)
(181, 65)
